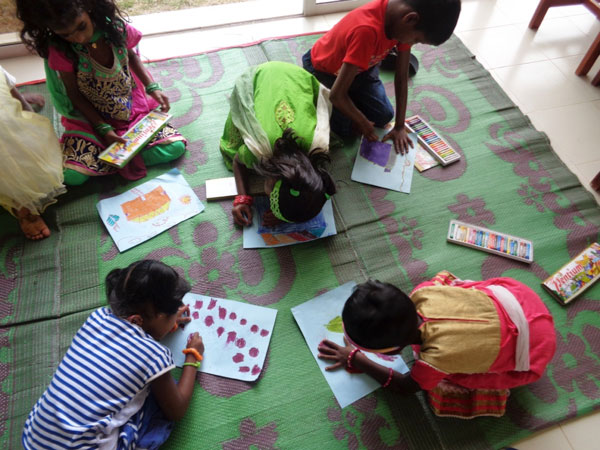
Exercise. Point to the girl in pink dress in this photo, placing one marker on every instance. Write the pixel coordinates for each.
(97, 83)
(473, 340)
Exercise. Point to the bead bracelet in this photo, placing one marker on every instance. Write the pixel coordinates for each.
(389, 380)
(349, 367)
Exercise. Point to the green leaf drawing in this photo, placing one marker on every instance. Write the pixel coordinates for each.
(335, 325)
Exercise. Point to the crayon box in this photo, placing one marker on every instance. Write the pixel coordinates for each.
(576, 276)
(490, 241)
(431, 141)
(119, 154)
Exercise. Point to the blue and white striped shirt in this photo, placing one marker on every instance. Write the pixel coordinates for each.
(99, 385)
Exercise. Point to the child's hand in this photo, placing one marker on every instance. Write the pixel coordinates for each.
(162, 100)
(111, 137)
(195, 341)
(242, 215)
(183, 316)
(333, 352)
(367, 129)
(400, 139)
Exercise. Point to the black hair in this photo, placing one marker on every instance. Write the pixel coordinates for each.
(299, 171)
(40, 17)
(145, 285)
(437, 18)
(379, 315)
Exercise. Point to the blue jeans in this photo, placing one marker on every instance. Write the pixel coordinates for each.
(366, 92)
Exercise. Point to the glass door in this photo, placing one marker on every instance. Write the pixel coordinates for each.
(317, 7)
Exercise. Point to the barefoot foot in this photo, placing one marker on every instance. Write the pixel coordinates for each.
(33, 226)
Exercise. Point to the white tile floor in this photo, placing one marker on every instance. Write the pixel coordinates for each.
(536, 69)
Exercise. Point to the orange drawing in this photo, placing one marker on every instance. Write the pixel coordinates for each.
(147, 206)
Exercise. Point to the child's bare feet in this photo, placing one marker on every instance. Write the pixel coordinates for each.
(33, 226)
(37, 101)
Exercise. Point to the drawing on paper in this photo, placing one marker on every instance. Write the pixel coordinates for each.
(379, 153)
(236, 336)
(320, 318)
(378, 164)
(146, 206)
(149, 209)
(289, 233)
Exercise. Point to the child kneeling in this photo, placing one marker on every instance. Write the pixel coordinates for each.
(473, 340)
(113, 388)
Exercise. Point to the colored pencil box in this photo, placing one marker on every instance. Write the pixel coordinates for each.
(502, 244)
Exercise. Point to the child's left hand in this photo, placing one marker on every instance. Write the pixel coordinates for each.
(400, 139)
(183, 316)
(333, 352)
(162, 100)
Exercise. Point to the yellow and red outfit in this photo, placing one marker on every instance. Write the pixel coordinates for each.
(489, 335)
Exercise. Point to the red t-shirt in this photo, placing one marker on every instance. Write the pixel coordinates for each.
(358, 39)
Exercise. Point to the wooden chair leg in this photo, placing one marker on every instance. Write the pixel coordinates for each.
(542, 8)
(596, 82)
(589, 58)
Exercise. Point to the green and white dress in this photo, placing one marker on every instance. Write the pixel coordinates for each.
(266, 100)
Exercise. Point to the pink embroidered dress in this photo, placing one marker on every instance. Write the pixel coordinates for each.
(479, 337)
(117, 95)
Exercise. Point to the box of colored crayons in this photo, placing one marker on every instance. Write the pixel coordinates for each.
(490, 241)
(576, 276)
(431, 141)
(119, 154)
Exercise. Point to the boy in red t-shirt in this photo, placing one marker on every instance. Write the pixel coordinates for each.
(346, 59)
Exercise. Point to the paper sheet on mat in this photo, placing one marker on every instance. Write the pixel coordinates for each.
(378, 164)
(148, 209)
(320, 318)
(236, 336)
(257, 236)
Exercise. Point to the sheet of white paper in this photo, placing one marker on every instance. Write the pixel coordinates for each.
(317, 321)
(378, 164)
(148, 209)
(286, 233)
(236, 336)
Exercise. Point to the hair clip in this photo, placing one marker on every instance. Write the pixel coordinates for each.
(294, 192)
(327, 196)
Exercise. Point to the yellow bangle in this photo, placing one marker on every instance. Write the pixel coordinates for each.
(193, 352)
(194, 364)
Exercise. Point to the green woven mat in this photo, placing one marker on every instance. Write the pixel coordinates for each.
(508, 179)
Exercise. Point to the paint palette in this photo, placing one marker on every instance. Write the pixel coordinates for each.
(431, 141)
(462, 233)
(236, 336)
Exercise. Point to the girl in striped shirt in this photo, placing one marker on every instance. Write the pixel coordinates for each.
(113, 388)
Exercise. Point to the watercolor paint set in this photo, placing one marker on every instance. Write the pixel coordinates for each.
(432, 141)
(502, 244)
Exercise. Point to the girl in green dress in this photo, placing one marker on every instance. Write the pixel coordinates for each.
(278, 126)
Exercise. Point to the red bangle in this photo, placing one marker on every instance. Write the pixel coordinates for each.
(389, 380)
(243, 200)
(349, 367)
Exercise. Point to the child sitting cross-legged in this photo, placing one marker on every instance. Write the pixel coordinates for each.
(473, 340)
(97, 82)
(113, 389)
